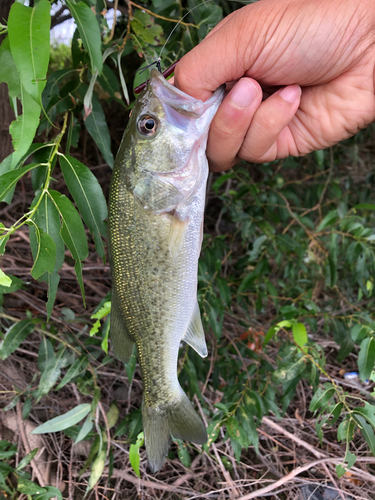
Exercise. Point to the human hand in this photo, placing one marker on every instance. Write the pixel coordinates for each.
(327, 49)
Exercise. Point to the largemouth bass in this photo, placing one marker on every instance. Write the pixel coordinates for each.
(156, 206)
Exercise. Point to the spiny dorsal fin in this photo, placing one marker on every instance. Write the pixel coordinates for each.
(194, 335)
(177, 235)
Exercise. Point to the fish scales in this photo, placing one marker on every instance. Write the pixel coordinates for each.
(156, 209)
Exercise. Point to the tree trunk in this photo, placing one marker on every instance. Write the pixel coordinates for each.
(6, 112)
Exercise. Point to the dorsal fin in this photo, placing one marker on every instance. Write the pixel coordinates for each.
(194, 335)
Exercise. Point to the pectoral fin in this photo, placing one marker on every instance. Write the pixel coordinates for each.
(122, 343)
(156, 193)
(194, 335)
(177, 235)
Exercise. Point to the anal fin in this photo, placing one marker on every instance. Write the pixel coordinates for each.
(194, 335)
(122, 342)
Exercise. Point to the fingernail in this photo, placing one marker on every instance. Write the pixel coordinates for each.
(291, 94)
(243, 93)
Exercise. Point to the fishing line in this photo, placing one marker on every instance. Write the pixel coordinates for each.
(157, 63)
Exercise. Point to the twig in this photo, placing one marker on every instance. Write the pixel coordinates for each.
(299, 470)
(26, 445)
(293, 437)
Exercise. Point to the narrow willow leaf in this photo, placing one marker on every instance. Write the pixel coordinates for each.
(89, 32)
(97, 127)
(97, 469)
(51, 373)
(366, 358)
(45, 353)
(134, 457)
(45, 256)
(236, 431)
(122, 79)
(183, 453)
(367, 432)
(23, 129)
(10, 179)
(15, 284)
(85, 429)
(27, 459)
(112, 415)
(4, 279)
(64, 421)
(47, 217)
(299, 334)
(130, 366)
(72, 232)
(88, 195)
(29, 488)
(15, 336)
(328, 220)
(30, 44)
(77, 367)
(8, 70)
(322, 397)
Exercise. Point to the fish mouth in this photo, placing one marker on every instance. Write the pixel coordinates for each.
(181, 102)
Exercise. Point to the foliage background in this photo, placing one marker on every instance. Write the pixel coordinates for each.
(286, 286)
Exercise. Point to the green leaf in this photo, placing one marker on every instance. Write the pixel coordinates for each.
(236, 431)
(28, 487)
(49, 492)
(112, 415)
(340, 470)
(89, 32)
(45, 352)
(29, 39)
(47, 217)
(213, 430)
(98, 464)
(299, 334)
(322, 397)
(366, 357)
(15, 336)
(27, 459)
(358, 332)
(248, 424)
(367, 432)
(10, 179)
(85, 429)
(183, 453)
(8, 70)
(130, 365)
(88, 195)
(134, 453)
(144, 25)
(72, 232)
(5, 280)
(74, 370)
(97, 127)
(51, 373)
(64, 421)
(365, 206)
(328, 220)
(289, 371)
(45, 256)
(15, 284)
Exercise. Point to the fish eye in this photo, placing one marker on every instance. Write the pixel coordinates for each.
(147, 125)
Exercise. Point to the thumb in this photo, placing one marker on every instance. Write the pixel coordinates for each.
(223, 56)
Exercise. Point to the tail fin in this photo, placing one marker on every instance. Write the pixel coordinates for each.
(179, 419)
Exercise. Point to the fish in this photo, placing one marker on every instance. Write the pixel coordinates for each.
(155, 230)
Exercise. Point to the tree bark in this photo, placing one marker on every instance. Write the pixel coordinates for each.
(6, 112)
